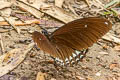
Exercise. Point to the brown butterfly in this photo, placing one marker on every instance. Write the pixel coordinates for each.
(70, 42)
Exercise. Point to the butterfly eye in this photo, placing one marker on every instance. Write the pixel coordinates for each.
(106, 23)
(86, 26)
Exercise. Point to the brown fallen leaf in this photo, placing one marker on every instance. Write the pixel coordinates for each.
(52, 79)
(98, 73)
(113, 65)
(59, 3)
(80, 78)
(40, 76)
(117, 48)
(1, 44)
(89, 78)
(104, 53)
(87, 1)
(31, 1)
(53, 11)
(11, 22)
(13, 58)
(105, 46)
(20, 23)
(29, 8)
(111, 38)
(5, 4)
(46, 23)
(1, 18)
(6, 12)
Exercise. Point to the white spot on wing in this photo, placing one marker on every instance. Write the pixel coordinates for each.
(86, 26)
(40, 39)
(106, 23)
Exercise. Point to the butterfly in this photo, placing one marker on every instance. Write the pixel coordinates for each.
(70, 42)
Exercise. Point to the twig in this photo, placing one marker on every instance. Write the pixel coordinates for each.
(87, 1)
(111, 38)
(20, 23)
(10, 21)
(29, 22)
(1, 43)
(2, 31)
(112, 3)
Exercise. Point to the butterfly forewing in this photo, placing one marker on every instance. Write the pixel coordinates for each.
(82, 32)
(44, 44)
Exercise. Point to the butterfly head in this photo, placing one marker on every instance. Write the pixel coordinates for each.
(45, 32)
(38, 36)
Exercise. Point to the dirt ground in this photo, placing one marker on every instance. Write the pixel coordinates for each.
(101, 63)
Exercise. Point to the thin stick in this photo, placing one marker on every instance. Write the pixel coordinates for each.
(10, 21)
(87, 2)
(111, 38)
(1, 43)
(112, 3)
(20, 23)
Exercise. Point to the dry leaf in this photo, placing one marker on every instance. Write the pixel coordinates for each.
(31, 1)
(118, 78)
(89, 78)
(59, 3)
(105, 46)
(52, 79)
(60, 14)
(29, 9)
(10, 20)
(40, 76)
(80, 78)
(113, 65)
(111, 38)
(2, 19)
(36, 5)
(87, 1)
(55, 12)
(5, 4)
(104, 53)
(20, 23)
(98, 74)
(13, 58)
(1, 44)
(6, 12)
(117, 48)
